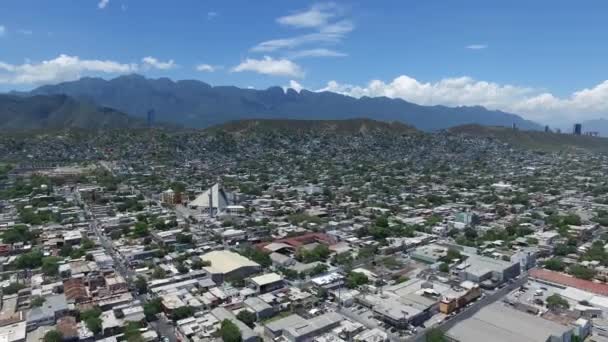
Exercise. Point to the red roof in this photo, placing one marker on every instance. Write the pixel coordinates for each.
(564, 279)
(298, 241)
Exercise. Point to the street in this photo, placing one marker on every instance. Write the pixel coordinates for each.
(162, 325)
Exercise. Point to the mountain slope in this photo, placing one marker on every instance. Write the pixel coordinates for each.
(536, 140)
(197, 104)
(338, 127)
(19, 113)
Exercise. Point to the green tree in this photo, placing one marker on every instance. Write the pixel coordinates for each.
(30, 260)
(247, 317)
(230, 332)
(152, 308)
(554, 264)
(13, 288)
(581, 272)
(141, 229)
(434, 335)
(50, 266)
(182, 312)
(37, 301)
(556, 301)
(444, 267)
(159, 273)
(53, 336)
(356, 279)
(141, 285)
(94, 324)
(132, 333)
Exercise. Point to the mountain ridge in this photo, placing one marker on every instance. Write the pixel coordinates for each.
(196, 104)
(52, 112)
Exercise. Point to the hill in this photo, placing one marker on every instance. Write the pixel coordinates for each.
(196, 104)
(342, 127)
(18, 113)
(536, 140)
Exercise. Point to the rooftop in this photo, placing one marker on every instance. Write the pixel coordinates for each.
(563, 279)
(266, 279)
(500, 323)
(226, 261)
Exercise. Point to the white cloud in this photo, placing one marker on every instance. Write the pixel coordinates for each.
(326, 21)
(531, 103)
(103, 3)
(59, 69)
(2, 30)
(212, 15)
(206, 68)
(316, 16)
(294, 85)
(476, 46)
(320, 52)
(153, 63)
(270, 66)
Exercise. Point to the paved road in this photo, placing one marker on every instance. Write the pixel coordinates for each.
(470, 311)
(162, 326)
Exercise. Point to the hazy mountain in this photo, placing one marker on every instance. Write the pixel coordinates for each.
(197, 104)
(58, 112)
(535, 140)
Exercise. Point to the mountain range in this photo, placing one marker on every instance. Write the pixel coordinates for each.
(196, 104)
(41, 112)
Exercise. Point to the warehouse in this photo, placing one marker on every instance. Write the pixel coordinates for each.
(227, 264)
(498, 323)
(488, 272)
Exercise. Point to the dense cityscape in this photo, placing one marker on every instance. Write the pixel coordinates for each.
(303, 171)
(263, 230)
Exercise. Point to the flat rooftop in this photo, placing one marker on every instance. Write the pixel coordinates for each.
(500, 323)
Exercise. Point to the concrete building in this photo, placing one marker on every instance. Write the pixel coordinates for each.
(458, 297)
(226, 264)
(54, 307)
(247, 334)
(267, 282)
(275, 329)
(312, 327)
(261, 309)
(487, 271)
(15, 332)
(500, 323)
(429, 253)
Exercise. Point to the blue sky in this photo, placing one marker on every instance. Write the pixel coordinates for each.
(546, 60)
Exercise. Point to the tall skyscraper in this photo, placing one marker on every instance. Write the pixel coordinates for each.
(578, 129)
(151, 117)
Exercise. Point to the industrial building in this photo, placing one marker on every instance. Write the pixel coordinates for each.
(226, 264)
(500, 323)
(486, 271)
